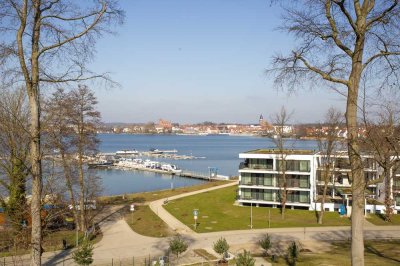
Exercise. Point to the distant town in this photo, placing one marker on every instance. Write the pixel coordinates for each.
(262, 128)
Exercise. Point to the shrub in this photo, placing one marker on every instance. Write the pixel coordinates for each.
(293, 253)
(83, 255)
(245, 259)
(221, 247)
(177, 246)
(265, 243)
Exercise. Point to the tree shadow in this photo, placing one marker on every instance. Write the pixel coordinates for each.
(370, 249)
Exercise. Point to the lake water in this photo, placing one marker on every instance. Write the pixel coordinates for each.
(219, 151)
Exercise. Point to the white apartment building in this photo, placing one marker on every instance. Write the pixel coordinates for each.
(260, 183)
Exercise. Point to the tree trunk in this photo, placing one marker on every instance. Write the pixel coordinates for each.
(36, 161)
(388, 196)
(69, 187)
(357, 170)
(36, 172)
(327, 174)
(81, 175)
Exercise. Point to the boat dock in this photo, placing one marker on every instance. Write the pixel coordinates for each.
(183, 173)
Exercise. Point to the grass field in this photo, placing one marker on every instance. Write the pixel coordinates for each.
(378, 219)
(145, 222)
(51, 242)
(155, 195)
(217, 213)
(376, 253)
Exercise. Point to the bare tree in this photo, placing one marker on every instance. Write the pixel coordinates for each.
(59, 132)
(85, 119)
(327, 144)
(280, 121)
(382, 139)
(49, 41)
(339, 41)
(14, 166)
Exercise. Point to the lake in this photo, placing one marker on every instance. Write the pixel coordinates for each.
(220, 151)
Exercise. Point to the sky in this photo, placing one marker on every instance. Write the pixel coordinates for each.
(191, 61)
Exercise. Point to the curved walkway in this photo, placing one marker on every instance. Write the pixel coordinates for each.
(170, 220)
(121, 244)
(119, 241)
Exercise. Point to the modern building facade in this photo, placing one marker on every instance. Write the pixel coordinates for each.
(261, 180)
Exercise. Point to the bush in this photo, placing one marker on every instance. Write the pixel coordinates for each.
(83, 255)
(293, 253)
(265, 243)
(245, 259)
(221, 247)
(177, 246)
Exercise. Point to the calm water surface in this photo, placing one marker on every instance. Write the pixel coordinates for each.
(219, 151)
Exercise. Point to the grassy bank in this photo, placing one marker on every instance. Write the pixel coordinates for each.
(217, 213)
(382, 253)
(155, 195)
(378, 219)
(145, 222)
(52, 241)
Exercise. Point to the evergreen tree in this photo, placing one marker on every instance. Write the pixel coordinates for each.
(177, 246)
(265, 243)
(83, 256)
(221, 247)
(245, 259)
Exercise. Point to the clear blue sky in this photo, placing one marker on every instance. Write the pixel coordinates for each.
(190, 61)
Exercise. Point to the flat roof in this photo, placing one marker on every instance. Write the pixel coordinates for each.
(277, 151)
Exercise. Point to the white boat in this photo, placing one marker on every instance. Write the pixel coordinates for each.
(171, 168)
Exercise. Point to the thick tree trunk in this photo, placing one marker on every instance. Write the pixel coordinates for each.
(36, 173)
(36, 161)
(357, 171)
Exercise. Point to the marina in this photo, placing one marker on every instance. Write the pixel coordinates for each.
(133, 160)
(209, 152)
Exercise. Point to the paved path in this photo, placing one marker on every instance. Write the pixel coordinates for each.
(120, 244)
(170, 220)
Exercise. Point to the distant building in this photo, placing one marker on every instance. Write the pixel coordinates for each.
(259, 181)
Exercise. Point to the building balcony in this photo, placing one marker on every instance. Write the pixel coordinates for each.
(261, 200)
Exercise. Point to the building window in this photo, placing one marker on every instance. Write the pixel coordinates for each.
(268, 195)
(261, 164)
(397, 200)
(295, 165)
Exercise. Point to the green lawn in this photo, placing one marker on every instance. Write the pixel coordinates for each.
(51, 242)
(376, 253)
(155, 195)
(217, 213)
(378, 219)
(145, 222)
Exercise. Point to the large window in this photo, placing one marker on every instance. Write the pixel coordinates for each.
(246, 193)
(301, 181)
(268, 195)
(299, 196)
(295, 165)
(261, 164)
(256, 179)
